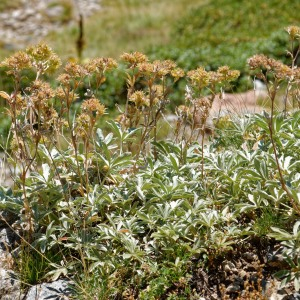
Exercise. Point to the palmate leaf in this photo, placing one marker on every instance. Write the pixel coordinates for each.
(280, 234)
(261, 121)
(175, 162)
(9, 201)
(297, 282)
(282, 273)
(57, 272)
(125, 159)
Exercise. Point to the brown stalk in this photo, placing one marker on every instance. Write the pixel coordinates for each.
(270, 125)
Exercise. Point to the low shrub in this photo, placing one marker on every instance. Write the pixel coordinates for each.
(132, 216)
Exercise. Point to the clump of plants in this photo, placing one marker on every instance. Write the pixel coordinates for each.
(127, 215)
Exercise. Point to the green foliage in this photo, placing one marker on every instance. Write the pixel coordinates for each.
(290, 244)
(33, 267)
(226, 32)
(6, 4)
(127, 212)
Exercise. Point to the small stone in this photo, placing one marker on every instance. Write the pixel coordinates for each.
(54, 11)
(250, 256)
(53, 290)
(233, 288)
(296, 296)
(16, 14)
(228, 266)
(214, 296)
(9, 285)
(242, 274)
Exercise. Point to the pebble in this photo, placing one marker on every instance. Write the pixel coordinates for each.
(233, 288)
(54, 290)
(9, 286)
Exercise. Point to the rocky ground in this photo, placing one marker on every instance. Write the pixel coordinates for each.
(244, 274)
(34, 19)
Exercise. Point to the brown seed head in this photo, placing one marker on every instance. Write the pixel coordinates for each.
(43, 57)
(75, 70)
(16, 63)
(294, 32)
(100, 65)
(139, 99)
(199, 77)
(261, 62)
(93, 106)
(40, 92)
(228, 75)
(177, 73)
(134, 58)
(83, 122)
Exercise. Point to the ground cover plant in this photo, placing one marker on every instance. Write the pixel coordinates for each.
(127, 215)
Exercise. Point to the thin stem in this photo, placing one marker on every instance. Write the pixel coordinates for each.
(281, 178)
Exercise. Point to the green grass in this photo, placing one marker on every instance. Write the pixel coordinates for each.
(7, 4)
(228, 32)
(191, 32)
(124, 25)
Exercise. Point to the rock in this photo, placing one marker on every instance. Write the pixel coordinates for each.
(214, 296)
(7, 238)
(7, 217)
(54, 11)
(9, 286)
(58, 290)
(7, 241)
(228, 266)
(242, 274)
(233, 288)
(250, 256)
(275, 258)
(273, 291)
(35, 19)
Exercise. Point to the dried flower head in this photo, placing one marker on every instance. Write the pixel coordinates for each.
(199, 77)
(261, 62)
(228, 75)
(215, 77)
(40, 93)
(158, 91)
(145, 68)
(183, 112)
(83, 122)
(64, 79)
(139, 99)
(93, 106)
(100, 65)
(177, 73)
(65, 97)
(203, 105)
(158, 68)
(16, 102)
(257, 61)
(134, 58)
(164, 67)
(294, 32)
(43, 58)
(16, 63)
(75, 70)
(48, 121)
